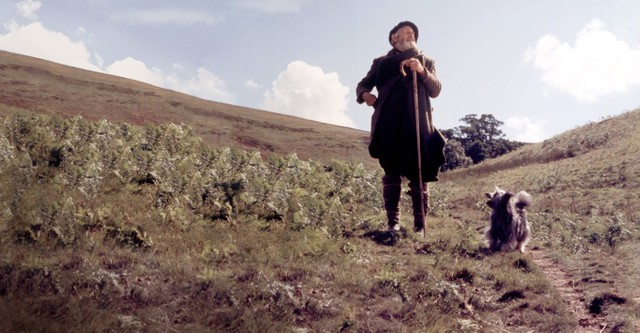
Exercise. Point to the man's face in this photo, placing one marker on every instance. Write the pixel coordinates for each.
(404, 38)
(405, 34)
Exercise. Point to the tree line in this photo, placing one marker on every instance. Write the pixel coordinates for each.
(478, 139)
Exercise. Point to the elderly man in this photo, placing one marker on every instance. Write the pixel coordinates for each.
(393, 125)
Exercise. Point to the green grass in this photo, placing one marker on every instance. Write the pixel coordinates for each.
(117, 227)
(585, 187)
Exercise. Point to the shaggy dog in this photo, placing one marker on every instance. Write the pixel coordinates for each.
(509, 229)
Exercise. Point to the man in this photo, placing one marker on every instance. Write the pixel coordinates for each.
(393, 124)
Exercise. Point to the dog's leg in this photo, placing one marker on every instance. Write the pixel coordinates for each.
(494, 244)
(522, 244)
(524, 238)
(391, 191)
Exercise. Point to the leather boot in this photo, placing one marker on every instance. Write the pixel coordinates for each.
(391, 191)
(418, 218)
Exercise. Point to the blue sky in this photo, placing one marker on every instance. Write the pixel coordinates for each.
(542, 67)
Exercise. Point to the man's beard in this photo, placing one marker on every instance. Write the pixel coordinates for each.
(406, 45)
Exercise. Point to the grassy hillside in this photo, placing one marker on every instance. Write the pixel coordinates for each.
(108, 226)
(34, 85)
(586, 186)
(112, 227)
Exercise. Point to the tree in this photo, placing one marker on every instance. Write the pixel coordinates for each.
(484, 128)
(481, 138)
(455, 156)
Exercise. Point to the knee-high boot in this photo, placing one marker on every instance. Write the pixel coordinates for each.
(418, 217)
(391, 191)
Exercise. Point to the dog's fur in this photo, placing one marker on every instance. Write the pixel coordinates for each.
(509, 229)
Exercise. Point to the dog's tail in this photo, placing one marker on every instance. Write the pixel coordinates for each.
(522, 199)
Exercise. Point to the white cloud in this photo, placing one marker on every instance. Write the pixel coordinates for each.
(524, 129)
(98, 60)
(252, 84)
(598, 64)
(137, 70)
(204, 85)
(307, 91)
(274, 6)
(28, 9)
(170, 16)
(37, 41)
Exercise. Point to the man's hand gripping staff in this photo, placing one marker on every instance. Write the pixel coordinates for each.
(413, 64)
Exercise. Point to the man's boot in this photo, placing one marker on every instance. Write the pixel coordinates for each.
(391, 191)
(418, 217)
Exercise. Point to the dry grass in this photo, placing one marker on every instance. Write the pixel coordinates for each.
(35, 85)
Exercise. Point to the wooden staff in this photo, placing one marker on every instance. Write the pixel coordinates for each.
(416, 107)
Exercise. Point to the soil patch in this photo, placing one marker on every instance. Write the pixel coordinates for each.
(568, 289)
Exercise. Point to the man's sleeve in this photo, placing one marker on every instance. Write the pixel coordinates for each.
(430, 79)
(367, 83)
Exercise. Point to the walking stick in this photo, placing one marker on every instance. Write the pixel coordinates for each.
(417, 228)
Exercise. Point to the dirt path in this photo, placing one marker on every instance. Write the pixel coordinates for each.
(570, 293)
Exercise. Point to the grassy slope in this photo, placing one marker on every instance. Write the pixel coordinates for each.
(34, 85)
(203, 274)
(145, 230)
(586, 186)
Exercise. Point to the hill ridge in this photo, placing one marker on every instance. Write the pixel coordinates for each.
(39, 86)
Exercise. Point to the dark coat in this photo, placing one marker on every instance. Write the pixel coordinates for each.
(393, 137)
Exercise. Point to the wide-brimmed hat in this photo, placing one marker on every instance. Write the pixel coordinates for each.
(403, 24)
